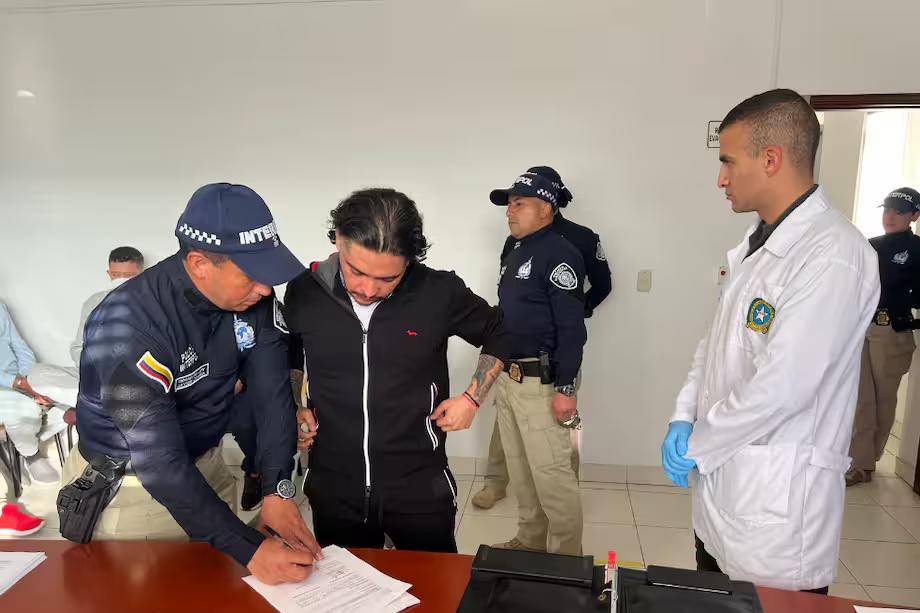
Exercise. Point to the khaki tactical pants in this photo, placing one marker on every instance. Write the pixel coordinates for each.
(134, 514)
(886, 358)
(538, 455)
(496, 469)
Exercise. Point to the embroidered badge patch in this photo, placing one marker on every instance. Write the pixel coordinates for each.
(760, 316)
(279, 317)
(245, 335)
(601, 256)
(900, 258)
(193, 377)
(564, 277)
(524, 271)
(151, 368)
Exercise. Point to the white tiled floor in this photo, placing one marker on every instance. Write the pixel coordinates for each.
(634, 511)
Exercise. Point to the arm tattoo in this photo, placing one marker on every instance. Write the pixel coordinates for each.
(487, 371)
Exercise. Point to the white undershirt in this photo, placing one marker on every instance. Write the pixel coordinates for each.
(364, 311)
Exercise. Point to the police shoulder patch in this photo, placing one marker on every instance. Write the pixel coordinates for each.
(153, 369)
(564, 277)
(278, 317)
(760, 316)
(244, 333)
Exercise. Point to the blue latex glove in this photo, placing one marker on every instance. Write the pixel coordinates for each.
(673, 449)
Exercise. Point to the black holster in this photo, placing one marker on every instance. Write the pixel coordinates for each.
(547, 372)
(81, 502)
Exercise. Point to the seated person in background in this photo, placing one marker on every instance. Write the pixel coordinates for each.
(21, 405)
(124, 263)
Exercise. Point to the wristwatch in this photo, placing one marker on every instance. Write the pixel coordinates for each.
(285, 489)
(566, 390)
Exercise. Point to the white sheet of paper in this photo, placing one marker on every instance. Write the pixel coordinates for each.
(862, 609)
(340, 582)
(14, 565)
(403, 602)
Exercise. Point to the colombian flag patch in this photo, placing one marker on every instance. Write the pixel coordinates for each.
(152, 369)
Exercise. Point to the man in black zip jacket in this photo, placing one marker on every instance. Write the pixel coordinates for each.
(375, 323)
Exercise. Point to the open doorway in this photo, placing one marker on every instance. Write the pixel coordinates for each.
(869, 148)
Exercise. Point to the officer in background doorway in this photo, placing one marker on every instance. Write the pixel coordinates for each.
(540, 293)
(599, 285)
(889, 345)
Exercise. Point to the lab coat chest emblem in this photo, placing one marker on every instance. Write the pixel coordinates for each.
(760, 316)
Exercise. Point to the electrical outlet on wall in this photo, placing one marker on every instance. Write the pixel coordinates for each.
(644, 281)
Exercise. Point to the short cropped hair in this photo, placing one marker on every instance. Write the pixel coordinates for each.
(779, 117)
(215, 258)
(126, 254)
(383, 220)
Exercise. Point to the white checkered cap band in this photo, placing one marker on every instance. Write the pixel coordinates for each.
(548, 195)
(198, 235)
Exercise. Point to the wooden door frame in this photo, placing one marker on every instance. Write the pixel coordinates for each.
(864, 102)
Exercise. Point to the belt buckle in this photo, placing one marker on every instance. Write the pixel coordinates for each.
(882, 318)
(514, 371)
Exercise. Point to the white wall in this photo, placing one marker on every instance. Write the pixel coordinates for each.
(841, 145)
(442, 99)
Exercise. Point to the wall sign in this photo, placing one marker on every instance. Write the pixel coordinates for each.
(712, 137)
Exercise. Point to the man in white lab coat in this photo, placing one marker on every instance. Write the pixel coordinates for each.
(766, 414)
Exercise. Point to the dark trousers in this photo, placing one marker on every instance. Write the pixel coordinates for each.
(706, 562)
(413, 531)
(243, 428)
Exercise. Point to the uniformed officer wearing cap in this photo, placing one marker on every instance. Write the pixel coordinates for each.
(597, 275)
(162, 354)
(540, 293)
(889, 342)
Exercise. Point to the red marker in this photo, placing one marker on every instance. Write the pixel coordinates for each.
(610, 574)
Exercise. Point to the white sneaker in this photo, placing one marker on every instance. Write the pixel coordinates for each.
(42, 470)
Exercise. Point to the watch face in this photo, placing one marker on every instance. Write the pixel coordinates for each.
(286, 488)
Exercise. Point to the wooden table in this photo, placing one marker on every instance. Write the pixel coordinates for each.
(167, 577)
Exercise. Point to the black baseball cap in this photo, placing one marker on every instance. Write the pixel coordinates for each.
(529, 184)
(903, 200)
(565, 196)
(234, 220)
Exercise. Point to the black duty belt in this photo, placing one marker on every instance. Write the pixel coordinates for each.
(103, 462)
(882, 318)
(518, 369)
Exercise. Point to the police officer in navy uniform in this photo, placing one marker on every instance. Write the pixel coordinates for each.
(889, 345)
(586, 240)
(540, 292)
(597, 274)
(162, 355)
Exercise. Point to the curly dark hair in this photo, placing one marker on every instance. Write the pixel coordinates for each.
(381, 219)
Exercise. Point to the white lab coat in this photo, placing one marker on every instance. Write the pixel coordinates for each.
(773, 412)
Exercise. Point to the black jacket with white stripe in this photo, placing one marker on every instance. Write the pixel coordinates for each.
(374, 390)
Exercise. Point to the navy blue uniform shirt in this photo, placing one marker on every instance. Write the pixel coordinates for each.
(540, 293)
(899, 271)
(588, 243)
(157, 373)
